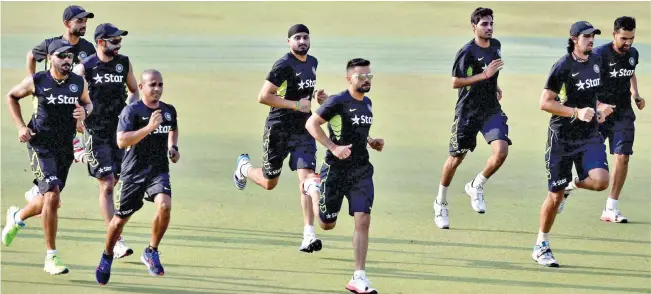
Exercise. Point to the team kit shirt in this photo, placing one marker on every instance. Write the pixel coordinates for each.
(479, 100)
(147, 158)
(81, 50)
(616, 72)
(349, 122)
(577, 85)
(295, 80)
(52, 120)
(108, 92)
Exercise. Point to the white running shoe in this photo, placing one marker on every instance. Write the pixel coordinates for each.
(613, 216)
(360, 285)
(476, 197)
(542, 255)
(121, 249)
(238, 178)
(31, 193)
(568, 191)
(441, 218)
(310, 243)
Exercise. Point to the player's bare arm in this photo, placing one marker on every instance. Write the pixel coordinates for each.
(172, 143)
(126, 139)
(490, 71)
(313, 126)
(20, 91)
(132, 84)
(31, 63)
(79, 69)
(269, 97)
(639, 101)
(549, 104)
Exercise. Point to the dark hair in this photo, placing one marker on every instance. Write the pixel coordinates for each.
(357, 62)
(626, 23)
(570, 46)
(479, 13)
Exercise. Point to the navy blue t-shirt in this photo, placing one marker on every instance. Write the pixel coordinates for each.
(349, 122)
(149, 156)
(616, 72)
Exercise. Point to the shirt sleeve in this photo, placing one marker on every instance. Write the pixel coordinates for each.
(555, 79)
(173, 123)
(328, 109)
(40, 51)
(279, 73)
(461, 64)
(126, 123)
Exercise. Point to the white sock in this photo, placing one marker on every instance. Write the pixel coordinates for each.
(17, 218)
(244, 170)
(308, 230)
(443, 195)
(359, 274)
(480, 180)
(51, 252)
(572, 184)
(542, 237)
(611, 203)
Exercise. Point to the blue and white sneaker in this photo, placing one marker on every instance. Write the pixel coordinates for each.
(238, 178)
(103, 271)
(151, 258)
(542, 255)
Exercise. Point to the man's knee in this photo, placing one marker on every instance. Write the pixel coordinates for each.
(164, 203)
(622, 159)
(51, 198)
(327, 226)
(117, 222)
(106, 184)
(362, 221)
(269, 184)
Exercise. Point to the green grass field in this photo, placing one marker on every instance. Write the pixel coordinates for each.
(214, 58)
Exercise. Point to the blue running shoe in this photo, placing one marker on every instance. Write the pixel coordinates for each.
(152, 260)
(103, 272)
(238, 178)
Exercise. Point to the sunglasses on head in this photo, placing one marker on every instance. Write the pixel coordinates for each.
(114, 41)
(368, 76)
(64, 55)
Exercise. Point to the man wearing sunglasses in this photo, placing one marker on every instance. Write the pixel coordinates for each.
(347, 170)
(109, 75)
(475, 73)
(288, 91)
(48, 136)
(571, 97)
(74, 20)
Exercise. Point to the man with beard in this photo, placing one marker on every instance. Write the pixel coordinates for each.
(48, 135)
(108, 74)
(74, 20)
(570, 95)
(148, 130)
(288, 90)
(475, 72)
(347, 170)
(620, 86)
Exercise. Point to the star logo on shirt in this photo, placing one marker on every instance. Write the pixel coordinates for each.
(613, 74)
(98, 79)
(484, 68)
(355, 120)
(581, 85)
(301, 85)
(50, 100)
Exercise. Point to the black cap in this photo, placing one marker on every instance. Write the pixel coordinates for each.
(297, 28)
(58, 45)
(75, 11)
(583, 28)
(107, 30)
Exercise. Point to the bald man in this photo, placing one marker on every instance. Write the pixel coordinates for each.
(148, 130)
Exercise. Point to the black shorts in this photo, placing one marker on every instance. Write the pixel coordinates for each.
(619, 130)
(561, 156)
(103, 155)
(278, 142)
(464, 132)
(130, 195)
(356, 184)
(50, 165)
